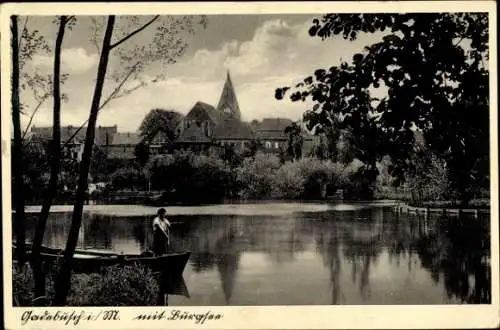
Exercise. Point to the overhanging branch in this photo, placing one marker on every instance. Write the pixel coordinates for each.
(134, 32)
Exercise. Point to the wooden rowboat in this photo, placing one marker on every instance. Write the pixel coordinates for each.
(90, 261)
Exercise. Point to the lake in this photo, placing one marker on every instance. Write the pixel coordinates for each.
(302, 253)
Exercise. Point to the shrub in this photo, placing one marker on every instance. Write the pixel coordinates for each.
(319, 175)
(191, 178)
(430, 180)
(357, 180)
(307, 178)
(289, 181)
(255, 176)
(130, 285)
(22, 286)
(130, 178)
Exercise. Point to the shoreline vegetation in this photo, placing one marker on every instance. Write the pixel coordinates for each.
(190, 179)
(131, 285)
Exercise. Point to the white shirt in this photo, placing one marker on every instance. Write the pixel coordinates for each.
(163, 224)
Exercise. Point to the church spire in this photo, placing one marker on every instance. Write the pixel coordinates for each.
(228, 102)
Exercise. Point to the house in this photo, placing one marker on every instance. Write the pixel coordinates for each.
(123, 145)
(271, 133)
(158, 142)
(73, 138)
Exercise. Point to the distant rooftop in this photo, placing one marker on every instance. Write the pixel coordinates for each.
(128, 138)
(103, 134)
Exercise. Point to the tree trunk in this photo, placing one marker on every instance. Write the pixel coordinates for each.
(55, 166)
(17, 150)
(64, 278)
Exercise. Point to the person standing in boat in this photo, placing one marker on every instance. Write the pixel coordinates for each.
(161, 231)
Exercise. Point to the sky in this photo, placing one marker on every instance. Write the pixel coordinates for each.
(261, 52)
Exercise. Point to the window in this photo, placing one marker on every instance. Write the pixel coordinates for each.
(276, 145)
(268, 144)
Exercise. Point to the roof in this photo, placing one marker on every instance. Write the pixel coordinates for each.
(233, 128)
(271, 135)
(103, 134)
(228, 99)
(128, 138)
(272, 129)
(274, 124)
(215, 115)
(193, 134)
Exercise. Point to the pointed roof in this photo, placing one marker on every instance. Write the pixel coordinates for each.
(211, 113)
(228, 98)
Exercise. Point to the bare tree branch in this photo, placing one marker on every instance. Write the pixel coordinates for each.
(33, 116)
(114, 94)
(134, 32)
(94, 30)
(111, 96)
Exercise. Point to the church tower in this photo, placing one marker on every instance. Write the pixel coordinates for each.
(228, 102)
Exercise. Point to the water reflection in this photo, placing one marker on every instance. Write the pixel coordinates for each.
(359, 256)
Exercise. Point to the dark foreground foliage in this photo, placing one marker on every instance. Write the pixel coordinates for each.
(116, 286)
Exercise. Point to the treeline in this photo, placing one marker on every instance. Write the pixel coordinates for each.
(189, 178)
(185, 177)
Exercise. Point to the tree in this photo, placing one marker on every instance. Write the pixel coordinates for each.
(445, 95)
(55, 164)
(128, 178)
(165, 46)
(156, 119)
(32, 81)
(98, 167)
(295, 141)
(28, 44)
(252, 147)
(17, 154)
(141, 153)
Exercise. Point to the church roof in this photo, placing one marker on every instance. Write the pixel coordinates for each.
(215, 115)
(193, 133)
(228, 99)
(233, 128)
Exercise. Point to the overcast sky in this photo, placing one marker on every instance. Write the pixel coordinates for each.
(262, 52)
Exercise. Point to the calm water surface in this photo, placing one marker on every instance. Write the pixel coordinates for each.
(311, 254)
